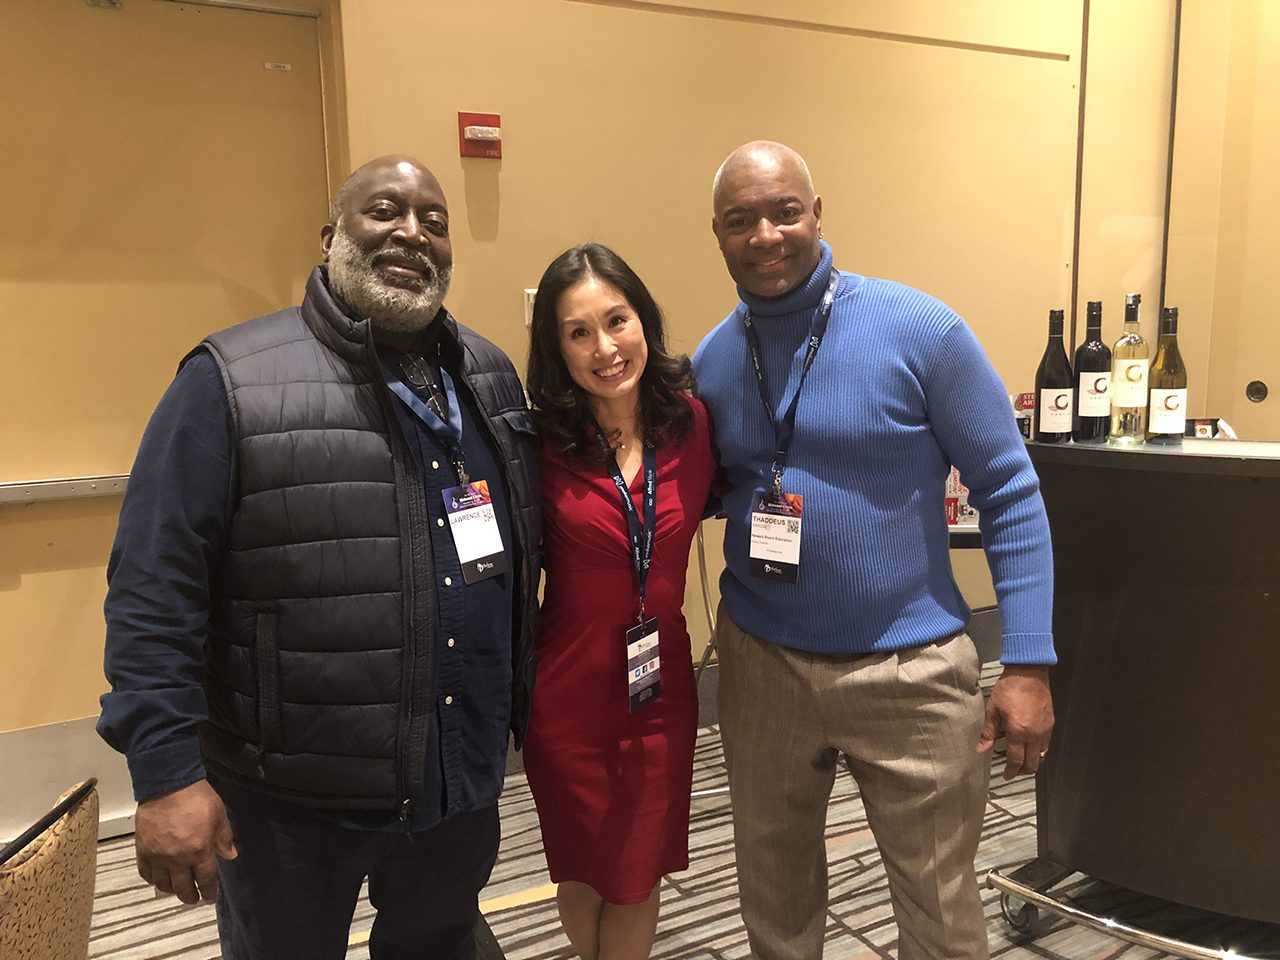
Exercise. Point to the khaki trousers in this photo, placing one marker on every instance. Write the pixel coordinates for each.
(908, 722)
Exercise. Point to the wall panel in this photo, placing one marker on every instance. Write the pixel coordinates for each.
(942, 163)
(1126, 148)
(159, 183)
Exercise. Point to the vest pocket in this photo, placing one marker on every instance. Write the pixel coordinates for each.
(268, 666)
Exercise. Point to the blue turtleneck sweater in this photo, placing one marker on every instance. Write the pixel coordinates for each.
(899, 392)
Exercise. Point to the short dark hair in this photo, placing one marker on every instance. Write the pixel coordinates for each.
(562, 409)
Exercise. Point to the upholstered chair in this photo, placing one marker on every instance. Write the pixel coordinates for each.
(46, 882)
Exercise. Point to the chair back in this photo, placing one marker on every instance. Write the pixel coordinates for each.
(46, 882)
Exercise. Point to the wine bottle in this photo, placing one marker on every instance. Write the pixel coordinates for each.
(1129, 362)
(1053, 388)
(1093, 382)
(1168, 404)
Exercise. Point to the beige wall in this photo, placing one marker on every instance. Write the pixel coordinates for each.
(1225, 217)
(1126, 144)
(614, 120)
(944, 143)
(158, 183)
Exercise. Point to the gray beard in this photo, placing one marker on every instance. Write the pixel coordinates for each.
(395, 309)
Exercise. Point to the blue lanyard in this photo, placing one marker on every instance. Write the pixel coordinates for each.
(450, 431)
(785, 428)
(641, 538)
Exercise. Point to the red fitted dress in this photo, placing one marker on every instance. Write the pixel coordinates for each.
(611, 787)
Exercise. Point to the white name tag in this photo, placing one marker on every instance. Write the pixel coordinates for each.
(475, 531)
(775, 536)
(643, 665)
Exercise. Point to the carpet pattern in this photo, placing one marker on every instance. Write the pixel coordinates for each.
(699, 914)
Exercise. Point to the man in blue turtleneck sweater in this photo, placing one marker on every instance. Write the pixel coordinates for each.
(844, 633)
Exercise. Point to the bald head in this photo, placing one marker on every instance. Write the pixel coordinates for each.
(758, 157)
(387, 245)
(766, 218)
(373, 170)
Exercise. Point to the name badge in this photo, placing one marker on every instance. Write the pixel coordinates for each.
(775, 536)
(643, 682)
(475, 531)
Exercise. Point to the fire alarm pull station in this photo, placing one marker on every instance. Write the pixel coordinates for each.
(480, 135)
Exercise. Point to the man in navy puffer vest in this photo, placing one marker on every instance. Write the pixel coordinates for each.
(322, 601)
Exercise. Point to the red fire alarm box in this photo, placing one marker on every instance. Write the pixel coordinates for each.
(480, 135)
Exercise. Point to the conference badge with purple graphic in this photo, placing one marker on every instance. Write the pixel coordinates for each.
(775, 535)
(475, 531)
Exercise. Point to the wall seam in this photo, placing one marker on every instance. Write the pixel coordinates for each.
(1168, 180)
(703, 13)
(1079, 198)
(249, 7)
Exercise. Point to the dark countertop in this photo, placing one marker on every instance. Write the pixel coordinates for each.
(1248, 458)
(1165, 621)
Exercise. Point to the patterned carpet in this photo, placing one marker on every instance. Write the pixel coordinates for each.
(699, 914)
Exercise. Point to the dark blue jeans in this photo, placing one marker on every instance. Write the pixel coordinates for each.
(293, 888)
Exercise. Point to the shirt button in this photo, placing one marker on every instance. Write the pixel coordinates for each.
(448, 581)
(439, 521)
(435, 464)
(448, 700)
(451, 641)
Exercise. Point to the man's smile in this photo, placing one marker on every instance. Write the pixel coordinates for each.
(399, 265)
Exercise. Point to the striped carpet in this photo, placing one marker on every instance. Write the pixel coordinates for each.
(699, 914)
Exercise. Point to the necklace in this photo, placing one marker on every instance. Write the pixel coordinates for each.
(626, 438)
(629, 441)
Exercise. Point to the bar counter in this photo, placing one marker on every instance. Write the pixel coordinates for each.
(1163, 775)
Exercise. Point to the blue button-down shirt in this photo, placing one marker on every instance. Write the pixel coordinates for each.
(164, 565)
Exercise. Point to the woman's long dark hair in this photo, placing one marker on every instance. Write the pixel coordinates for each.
(561, 408)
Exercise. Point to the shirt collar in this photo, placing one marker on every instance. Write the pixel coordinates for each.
(440, 335)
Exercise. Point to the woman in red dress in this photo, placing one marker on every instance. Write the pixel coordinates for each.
(610, 751)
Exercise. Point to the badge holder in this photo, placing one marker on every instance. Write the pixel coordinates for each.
(776, 521)
(644, 686)
(469, 506)
(776, 517)
(644, 682)
(474, 526)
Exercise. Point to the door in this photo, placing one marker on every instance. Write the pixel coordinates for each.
(163, 177)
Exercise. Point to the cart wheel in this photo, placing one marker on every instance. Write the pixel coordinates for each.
(1023, 917)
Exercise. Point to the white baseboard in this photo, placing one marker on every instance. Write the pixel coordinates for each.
(37, 764)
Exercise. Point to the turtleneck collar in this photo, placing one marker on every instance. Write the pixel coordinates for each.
(804, 297)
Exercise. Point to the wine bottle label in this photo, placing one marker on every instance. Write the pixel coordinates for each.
(1095, 394)
(1168, 411)
(1055, 410)
(1129, 383)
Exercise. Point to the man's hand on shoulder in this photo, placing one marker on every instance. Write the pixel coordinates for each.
(1019, 707)
(178, 837)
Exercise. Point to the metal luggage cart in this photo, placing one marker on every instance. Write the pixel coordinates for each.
(1026, 895)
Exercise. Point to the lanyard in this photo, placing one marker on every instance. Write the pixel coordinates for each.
(641, 539)
(785, 428)
(450, 431)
